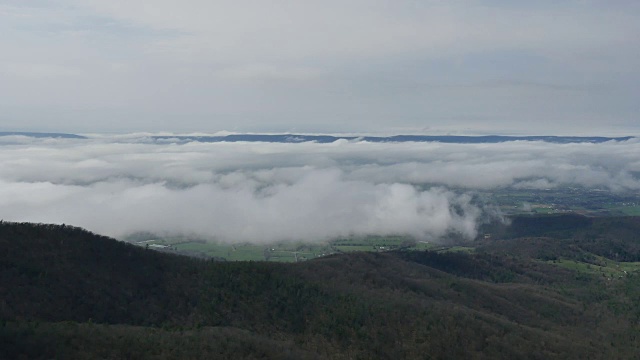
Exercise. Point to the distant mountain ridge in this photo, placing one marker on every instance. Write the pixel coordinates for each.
(292, 138)
(325, 139)
(42, 135)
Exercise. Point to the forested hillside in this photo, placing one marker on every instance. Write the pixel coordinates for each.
(68, 293)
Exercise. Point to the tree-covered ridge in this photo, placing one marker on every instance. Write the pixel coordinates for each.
(67, 291)
(567, 236)
(42, 135)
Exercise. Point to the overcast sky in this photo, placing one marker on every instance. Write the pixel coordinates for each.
(397, 66)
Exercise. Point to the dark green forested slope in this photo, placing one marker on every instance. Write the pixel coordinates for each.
(557, 236)
(67, 293)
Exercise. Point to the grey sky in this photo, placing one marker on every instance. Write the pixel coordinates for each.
(544, 67)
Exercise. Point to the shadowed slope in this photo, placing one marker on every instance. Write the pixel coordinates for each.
(383, 305)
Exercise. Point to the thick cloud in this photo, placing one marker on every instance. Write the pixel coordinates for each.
(267, 191)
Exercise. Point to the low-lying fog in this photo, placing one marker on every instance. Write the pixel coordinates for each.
(262, 192)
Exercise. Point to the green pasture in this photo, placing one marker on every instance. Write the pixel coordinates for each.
(289, 251)
(630, 210)
(283, 252)
(606, 267)
(466, 249)
(352, 248)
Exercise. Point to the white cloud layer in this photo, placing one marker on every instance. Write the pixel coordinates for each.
(268, 191)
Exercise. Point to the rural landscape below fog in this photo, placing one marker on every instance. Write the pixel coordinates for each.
(319, 180)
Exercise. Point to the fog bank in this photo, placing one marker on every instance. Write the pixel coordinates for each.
(261, 192)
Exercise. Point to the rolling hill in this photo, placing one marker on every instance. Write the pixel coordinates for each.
(69, 293)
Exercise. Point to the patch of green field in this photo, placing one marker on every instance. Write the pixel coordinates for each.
(421, 246)
(292, 251)
(582, 267)
(629, 266)
(606, 267)
(466, 249)
(376, 243)
(351, 248)
(283, 252)
(243, 252)
(630, 210)
(193, 246)
(387, 241)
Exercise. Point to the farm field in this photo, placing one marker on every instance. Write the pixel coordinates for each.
(604, 267)
(594, 202)
(284, 251)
